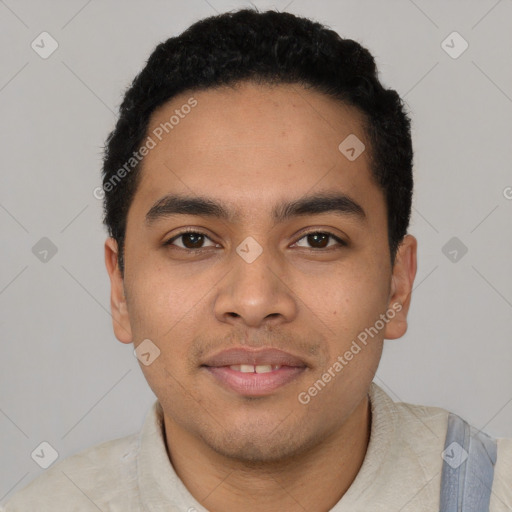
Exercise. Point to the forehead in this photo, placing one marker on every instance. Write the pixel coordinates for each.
(252, 144)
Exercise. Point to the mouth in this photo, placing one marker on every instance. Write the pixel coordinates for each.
(254, 373)
(259, 368)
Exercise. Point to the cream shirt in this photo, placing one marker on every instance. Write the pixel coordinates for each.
(401, 470)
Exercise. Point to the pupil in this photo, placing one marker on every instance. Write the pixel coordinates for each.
(195, 238)
(317, 240)
(314, 239)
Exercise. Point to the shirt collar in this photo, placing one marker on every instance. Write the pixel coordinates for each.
(161, 490)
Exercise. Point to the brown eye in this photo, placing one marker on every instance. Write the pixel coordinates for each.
(321, 240)
(190, 240)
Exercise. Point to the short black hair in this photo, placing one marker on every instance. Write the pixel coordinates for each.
(266, 48)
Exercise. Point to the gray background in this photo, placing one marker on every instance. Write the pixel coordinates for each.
(65, 379)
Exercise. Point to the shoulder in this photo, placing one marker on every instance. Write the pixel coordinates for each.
(423, 429)
(91, 479)
(501, 497)
(422, 434)
(420, 426)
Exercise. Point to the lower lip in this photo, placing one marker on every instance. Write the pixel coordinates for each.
(254, 384)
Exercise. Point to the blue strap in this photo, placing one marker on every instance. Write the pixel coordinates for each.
(468, 468)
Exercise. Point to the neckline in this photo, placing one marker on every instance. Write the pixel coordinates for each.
(160, 487)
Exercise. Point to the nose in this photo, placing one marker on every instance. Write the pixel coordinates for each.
(255, 293)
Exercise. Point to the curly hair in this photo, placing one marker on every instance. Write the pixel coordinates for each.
(273, 48)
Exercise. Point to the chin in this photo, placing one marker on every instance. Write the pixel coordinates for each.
(251, 445)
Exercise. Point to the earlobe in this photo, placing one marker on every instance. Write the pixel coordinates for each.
(118, 307)
(402, 280)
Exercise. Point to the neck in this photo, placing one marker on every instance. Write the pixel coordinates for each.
(315, 480)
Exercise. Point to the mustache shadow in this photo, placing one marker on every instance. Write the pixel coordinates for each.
(287, 342)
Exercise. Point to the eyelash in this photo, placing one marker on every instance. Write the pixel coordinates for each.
(341, 242)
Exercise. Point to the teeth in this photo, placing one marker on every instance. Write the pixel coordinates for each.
(250, 368)
(263, 368)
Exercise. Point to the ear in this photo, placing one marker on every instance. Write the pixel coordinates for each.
(120, 317)
(402, 280)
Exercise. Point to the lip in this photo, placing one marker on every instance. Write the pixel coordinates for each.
(267, 356)
(254, 384)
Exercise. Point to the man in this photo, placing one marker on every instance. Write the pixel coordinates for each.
(258, 191)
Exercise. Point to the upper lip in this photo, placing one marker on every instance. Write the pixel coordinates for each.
(268, 356)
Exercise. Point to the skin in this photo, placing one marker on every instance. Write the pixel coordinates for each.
(251, 147)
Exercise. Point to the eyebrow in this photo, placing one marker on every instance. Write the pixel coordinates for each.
(171, 205)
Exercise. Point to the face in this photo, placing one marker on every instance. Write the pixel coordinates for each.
(256, 255)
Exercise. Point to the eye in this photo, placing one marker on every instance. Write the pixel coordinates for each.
(190, 240)
(320, 240)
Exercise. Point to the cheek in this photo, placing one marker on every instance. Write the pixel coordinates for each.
(346, 300)
(164, 308)
(162, 301)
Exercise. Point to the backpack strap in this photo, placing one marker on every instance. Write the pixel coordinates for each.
(468, 468)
